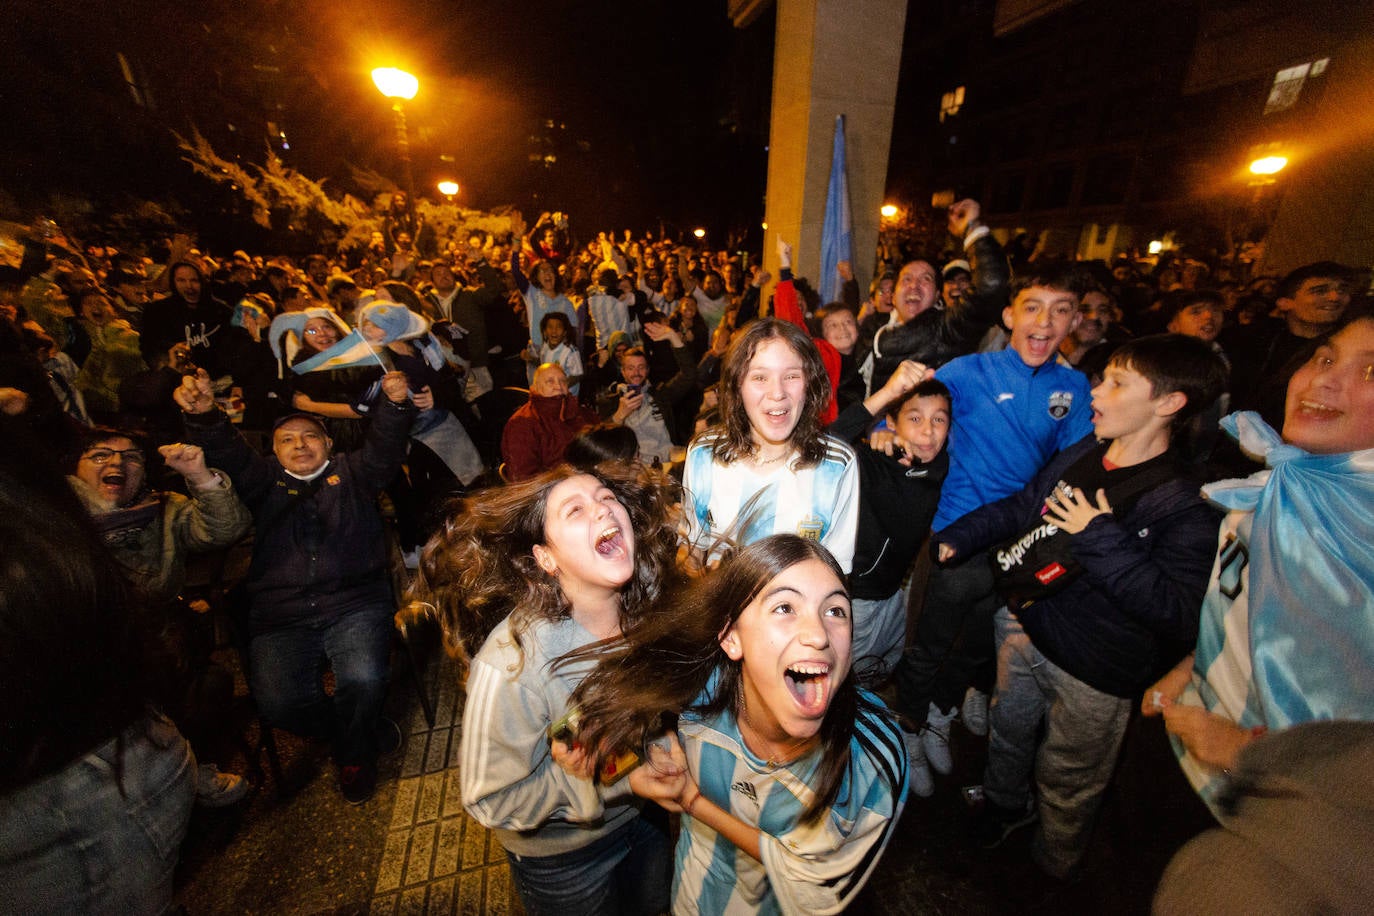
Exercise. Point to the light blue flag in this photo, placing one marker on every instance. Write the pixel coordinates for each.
(836, 231)
(352, 351)
(1311, 580)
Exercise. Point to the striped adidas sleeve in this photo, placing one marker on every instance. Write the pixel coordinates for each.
(820, 868)
(509, 778)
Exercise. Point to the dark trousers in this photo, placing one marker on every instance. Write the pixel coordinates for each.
(287, 667)
(953, 646)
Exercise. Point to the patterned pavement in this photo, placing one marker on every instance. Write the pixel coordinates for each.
(437, 860)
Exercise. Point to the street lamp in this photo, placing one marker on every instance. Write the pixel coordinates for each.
(400, 87)
(449, 189)
(699, 232)
(1268, 165)
(888, 211)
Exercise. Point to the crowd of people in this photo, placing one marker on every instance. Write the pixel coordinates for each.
(671, 515)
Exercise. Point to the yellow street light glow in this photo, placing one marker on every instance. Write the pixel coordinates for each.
(448, 188)
(888, 211)
(764, 225)
(1156, 247)
(1268, 165)
(699, 233)
(395, 84)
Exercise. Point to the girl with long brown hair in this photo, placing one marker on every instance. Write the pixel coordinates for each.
(522, 576)
(788, 776)
(768, 468)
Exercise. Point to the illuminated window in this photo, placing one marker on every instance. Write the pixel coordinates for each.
(1288, 84)
(950, 103)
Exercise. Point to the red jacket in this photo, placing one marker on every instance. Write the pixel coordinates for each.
(537, 435)
(787, 307)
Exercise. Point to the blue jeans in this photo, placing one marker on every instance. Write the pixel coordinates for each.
(879, 630)
(626, 873)
(101, 835)
(285, 671)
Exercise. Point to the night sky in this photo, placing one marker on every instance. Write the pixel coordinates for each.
(660, 109)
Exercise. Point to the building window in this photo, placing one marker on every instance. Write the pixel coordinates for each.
(1053, 187)
(1288, 84)
(950, 103)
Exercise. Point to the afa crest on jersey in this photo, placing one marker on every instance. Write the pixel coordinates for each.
(1060, 402)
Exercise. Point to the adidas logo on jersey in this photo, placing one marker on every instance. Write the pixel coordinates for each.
(745, 788)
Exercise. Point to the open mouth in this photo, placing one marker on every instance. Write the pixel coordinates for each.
(115, 480)
(1317, 410)
(1039, 346)
(809, 684)
(611, 542)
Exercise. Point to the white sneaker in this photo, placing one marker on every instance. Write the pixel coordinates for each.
(935, 738)
(218, 790)
(975, 711)
(918, 776)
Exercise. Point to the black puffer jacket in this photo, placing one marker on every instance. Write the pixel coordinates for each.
(1133, 612)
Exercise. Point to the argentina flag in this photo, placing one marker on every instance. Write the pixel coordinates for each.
(836, 231)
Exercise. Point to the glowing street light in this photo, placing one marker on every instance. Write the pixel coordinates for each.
(888, 211)
(449, 189)
(396, 84)
(1268, 165)
(699, 232)
(400, 87)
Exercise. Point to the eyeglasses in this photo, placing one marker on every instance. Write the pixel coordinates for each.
(102, 456)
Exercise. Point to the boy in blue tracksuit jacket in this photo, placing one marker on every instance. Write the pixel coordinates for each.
(1013, 410)
(1077, 658)
(898, 495)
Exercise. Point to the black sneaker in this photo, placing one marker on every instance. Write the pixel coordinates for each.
(995, 823)
(388, 737)
(358, 783)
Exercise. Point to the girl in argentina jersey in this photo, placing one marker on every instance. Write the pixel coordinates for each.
(789, 777)
(768, 468)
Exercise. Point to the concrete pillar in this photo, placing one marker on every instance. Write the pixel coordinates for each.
(831, 57)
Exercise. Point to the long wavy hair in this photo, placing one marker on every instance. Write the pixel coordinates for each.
(76, 662)
(735, 439)
(665, 666)
(480, 567)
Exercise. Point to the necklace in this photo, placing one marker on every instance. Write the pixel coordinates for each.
(762, 462)
(789, 752)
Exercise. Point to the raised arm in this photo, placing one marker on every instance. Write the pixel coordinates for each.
(214, 516)
(208, 427)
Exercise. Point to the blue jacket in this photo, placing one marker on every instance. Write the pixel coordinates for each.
(326, 556)
(1133, 612)
(1009, 420)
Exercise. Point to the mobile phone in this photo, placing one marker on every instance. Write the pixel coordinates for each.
(614, 770)
(565, 729)
(618, 767)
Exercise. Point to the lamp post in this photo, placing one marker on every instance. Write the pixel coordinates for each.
(400, 87)
(449, 189)
(1267, 160)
